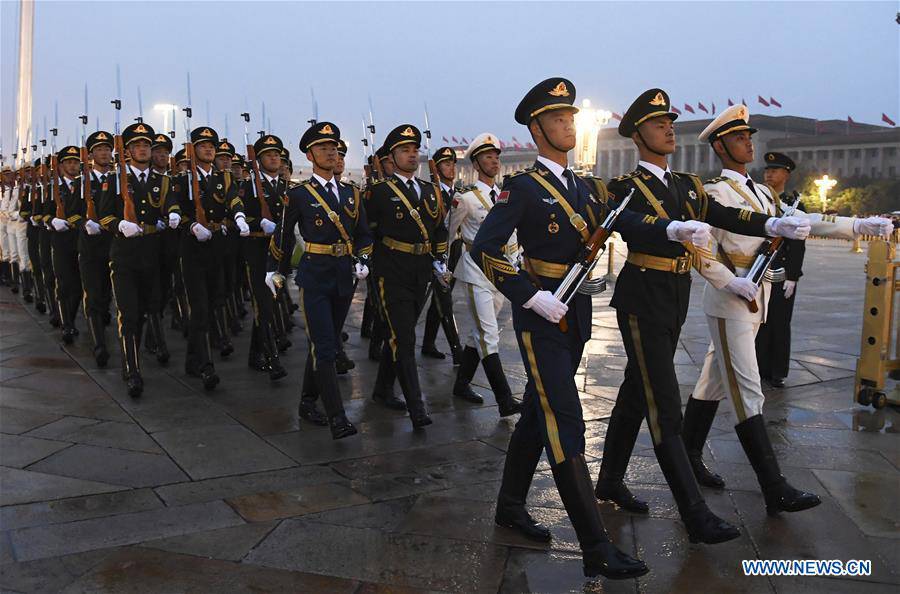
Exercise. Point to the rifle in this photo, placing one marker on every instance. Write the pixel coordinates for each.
(42, 172)
(86, 193)
(376, 162)
(593, 249)
(432, 168)
(54, 177)
(767, 253)
(194, 186)
(258, 192)
(128, 212)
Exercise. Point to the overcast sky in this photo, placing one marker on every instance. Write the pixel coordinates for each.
(470, 61)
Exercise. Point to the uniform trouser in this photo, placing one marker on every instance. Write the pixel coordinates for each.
(93, 264)
(773, 341)
(440, 307)
(551, 410)
(46, 258)
(401, 303)
(255, 251)
(68, 281)
(34, 255)
(730, 369)
(134, 269)
(650, 388)
(7, 242)
(324, 313)
(168, 264)
(202, 266)
(484, 305)
(18, 231)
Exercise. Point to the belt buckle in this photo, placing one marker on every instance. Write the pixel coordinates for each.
(418, 249)
(339, 249)
(415, 214)
(578, 222)
(682, 264)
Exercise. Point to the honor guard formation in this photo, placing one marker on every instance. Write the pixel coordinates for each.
(120, 228)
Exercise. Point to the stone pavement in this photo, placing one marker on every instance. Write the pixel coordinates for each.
(182, 491)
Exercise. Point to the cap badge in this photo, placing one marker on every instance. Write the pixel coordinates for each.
(326, 129)
(206, 132)
(770, 157)
(270, 140)
(102, 136)
(560, 90)
(408, 132)
(141, 129)
(659, 100)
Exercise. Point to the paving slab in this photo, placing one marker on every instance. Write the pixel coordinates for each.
(77, 508)
(24, 486)
(18, 451)
(123, 467)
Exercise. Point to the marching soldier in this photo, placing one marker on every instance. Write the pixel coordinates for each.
(64, 239)
(218, 199)
(171, 287)
(440, 312)
(773, 340)
(29, 205)
(730, 368)
(46, 212)
(651, 300)
(7, 240)
(17, 233)
(135, 250)
(553, 212)
(262, 220)
(228, 320)
(469, 208)
(333, 225)
(408, 219)
(94, 245)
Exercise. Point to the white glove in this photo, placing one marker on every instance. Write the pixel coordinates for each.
(789, 287)
(439, 267)
(547, 306)
(788, 227)
(174, 220)
(270, 282)
(878, 226)
(743, 287)
(242, 224)
(92, 228)
(35, 222)
(201, 232)
(59, 224)
(267, 226)
(14, 216)
(129, 229)
(697, 232)
(360, 271)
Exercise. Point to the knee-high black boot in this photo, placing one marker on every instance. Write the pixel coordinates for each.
(326, 379)
(98, 335)
(27, 286)
(408, 378)
(522, 457)
(270, 352)
(464, 374)
(155, 329)
(698, 419)
(131, 369)
(621, 434)
(493, 368)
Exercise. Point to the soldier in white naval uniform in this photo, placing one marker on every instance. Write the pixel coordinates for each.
(730, 368)
(468, 210)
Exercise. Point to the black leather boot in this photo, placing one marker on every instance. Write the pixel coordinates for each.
(256, 357)
(309, 395)
(270, 350)
(14, 277)
(27, 286)
(224, 343)
(621, 435)
(408, 378)
(465, 373)
(600, 556)
(522, 457)
(155, 329)
(131, 365)
(493, 368)
(98, 335)
(326, 380)
(702, 525)
(365, 328)
(342, 362)
(779, 494)
(698, 419)
(383, 392)
(448, 323)
(429, 334)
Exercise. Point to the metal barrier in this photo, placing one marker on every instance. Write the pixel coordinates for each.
(880, 349)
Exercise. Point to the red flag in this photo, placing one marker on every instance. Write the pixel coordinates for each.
(730, 102)
(743, 102)
(515, 139)
(531, 146)
(761, 100)
(445, 139)
(676, 110)
(502, 144)
(850, 120)
(516, 143)
(617, 116)
(887, 120)
(687, 107)
(702, 107)
(773, 102)
(714, 109)
(454, 139)
(464, 140)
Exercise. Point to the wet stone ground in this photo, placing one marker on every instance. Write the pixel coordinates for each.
(184, 491)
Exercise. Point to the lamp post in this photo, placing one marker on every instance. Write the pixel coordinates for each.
(587, 126)
(824, 184)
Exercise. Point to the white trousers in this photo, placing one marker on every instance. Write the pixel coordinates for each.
(730, 368)
(19, 230)
(484, 305)
(7, 242)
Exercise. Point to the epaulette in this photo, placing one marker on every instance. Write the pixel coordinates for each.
(686, 174)
(293, 184)
(378, 181)
(629, 175)
(518, 173)
(350, 182)
(715, 180)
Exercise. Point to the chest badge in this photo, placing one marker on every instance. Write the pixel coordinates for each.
(399, 215)
(692, 194)
(319, 222)
(553, 227)
(156, 190)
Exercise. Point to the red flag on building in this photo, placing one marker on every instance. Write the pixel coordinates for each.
(761, 100)
(850, 120)
(687, 107)
(454, 139)
(464, 141)
(531, 146)
(445, 139)
(773, 102)
(730, 102)
(702, 107)
(617, 116)
(676, 110)
(887, 120)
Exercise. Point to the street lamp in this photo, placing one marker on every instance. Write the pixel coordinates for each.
(587, 126)
(166, 109)
(824, 184)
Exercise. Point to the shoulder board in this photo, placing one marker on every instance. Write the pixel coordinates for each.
(293, 184)
(468, 188)
(715, 180)
(686, 174)
(379, 181)
(349, 183)
(634, 173)
(592, 178)
(518, 173)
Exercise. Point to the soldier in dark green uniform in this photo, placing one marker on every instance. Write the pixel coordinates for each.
(64, 239)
